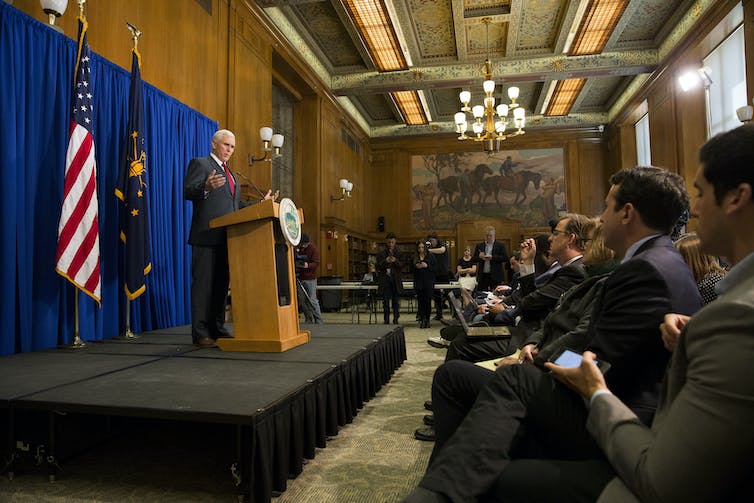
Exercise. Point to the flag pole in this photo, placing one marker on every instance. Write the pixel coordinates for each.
(77, 342)
(128, 333)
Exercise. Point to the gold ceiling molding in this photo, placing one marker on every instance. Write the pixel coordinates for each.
(458, 75)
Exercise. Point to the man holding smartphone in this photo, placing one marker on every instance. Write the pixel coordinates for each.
(699, 446)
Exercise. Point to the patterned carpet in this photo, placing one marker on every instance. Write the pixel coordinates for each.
(373, 459)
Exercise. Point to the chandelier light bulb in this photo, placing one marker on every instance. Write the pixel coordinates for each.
(502, 110)
(478, 111)
(460, 118)
(500, 127)
(489, 86)
(519, 113)
(513, 93)
(477, 127)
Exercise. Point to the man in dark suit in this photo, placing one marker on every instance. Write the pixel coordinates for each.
(210, 185)
(491, 256)
(700, 445)
(567, 244)
(522, 413)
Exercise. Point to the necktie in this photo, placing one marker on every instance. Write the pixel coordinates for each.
(231, 183)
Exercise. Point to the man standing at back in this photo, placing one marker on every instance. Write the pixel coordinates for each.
(522, 413)
(491, 255)
(210, 185)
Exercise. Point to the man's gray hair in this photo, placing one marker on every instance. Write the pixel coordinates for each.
(221, 133)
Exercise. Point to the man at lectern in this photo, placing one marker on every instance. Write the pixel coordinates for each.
(213, 189)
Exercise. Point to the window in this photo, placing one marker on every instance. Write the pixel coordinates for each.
(643, 151)
(727, 91)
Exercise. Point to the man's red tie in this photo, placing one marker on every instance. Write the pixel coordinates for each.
(231, 183)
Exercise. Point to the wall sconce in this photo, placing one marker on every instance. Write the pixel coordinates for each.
(265, 133)
(54, 9)
(693, 78)
(346, 187)
(745, 112)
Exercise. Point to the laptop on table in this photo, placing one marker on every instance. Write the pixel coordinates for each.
(483, 331)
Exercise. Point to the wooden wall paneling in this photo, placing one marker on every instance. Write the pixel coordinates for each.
(662, 126)
(748, 24)
(249, 93)
(592, 183)
(691, 128)
(308, 174)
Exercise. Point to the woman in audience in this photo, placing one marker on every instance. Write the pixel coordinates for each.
(466, 274)
(707, 272)
(424, 282)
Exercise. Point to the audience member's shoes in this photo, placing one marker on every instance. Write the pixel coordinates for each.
(438, 342)
(395, 321)
(428, 405)
(429, 419)
(438, 317)
(205, 342)
(449, 323)
(425, 434)
(387, 322)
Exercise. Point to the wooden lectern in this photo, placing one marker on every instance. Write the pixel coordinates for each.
(263, 282)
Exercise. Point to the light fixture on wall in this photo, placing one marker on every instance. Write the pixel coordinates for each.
(346, 187)
(745, 112)
(54, 9)
(694, 78)
(270, 152)
(485, 126)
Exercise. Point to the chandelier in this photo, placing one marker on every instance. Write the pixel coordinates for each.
(490, 122)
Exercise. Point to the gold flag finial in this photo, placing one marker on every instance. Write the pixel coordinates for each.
(135, 33)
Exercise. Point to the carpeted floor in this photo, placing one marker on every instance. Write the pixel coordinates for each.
(373, 459)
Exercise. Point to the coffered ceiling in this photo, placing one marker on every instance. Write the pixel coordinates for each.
(445, 44)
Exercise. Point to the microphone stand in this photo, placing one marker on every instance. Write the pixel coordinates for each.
(252, 183)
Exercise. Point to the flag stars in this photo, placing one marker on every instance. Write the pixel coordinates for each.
(139, 193)
(134, 213)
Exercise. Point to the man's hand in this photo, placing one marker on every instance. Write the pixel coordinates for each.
(502, 290)
(271, 195)
(507, 360)
(528, 353)
(214, 180)
(482, 309)
(671, 329)
(528, 250)
(498, 308)
(584, 379)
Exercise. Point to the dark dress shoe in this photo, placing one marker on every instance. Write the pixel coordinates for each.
(206, 342)
(428, 405)
(438, 317)
(395, 321)
(429, 419)
(425, 434)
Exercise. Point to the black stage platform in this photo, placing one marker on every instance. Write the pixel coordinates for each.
(283, 405)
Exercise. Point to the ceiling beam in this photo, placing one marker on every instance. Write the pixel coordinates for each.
(460, 75)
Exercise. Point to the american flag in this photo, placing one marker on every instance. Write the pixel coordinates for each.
(78, 231)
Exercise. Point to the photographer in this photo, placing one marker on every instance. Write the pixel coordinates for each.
(307, 262)
(442, 271)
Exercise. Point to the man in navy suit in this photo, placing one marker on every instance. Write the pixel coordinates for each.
(522, 413)
(210, 185)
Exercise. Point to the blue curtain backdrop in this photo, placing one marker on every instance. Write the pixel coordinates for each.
(36, 304)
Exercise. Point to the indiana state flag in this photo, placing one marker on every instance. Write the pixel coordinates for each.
(132, 190)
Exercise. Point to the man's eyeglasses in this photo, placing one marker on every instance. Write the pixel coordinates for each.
(555, 232)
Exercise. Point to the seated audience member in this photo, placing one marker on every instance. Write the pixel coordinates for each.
(522, 412)
(370, 277)
(565, 327)
(567, 244)
(700, 445)
(707, 272)
(466, 274)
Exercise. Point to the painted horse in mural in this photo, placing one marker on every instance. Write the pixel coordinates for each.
(517, 183)
(446, 187)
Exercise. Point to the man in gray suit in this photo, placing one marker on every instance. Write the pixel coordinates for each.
(701, 442)
(210, 185)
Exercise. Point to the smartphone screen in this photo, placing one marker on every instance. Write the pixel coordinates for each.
(568, 359)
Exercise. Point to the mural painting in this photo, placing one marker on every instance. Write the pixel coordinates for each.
(526, 185)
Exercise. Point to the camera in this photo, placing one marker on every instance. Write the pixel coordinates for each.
(300, 260)
(428, 244)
